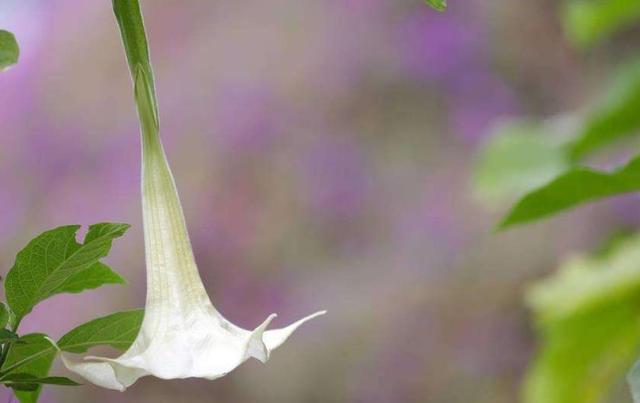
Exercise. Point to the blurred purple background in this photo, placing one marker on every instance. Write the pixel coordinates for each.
(323, 151)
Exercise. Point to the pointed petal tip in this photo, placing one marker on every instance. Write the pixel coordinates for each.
(263, 326)
(274, 338)
(306, 319)
(295, 325)
(261, 341)
(255, 346)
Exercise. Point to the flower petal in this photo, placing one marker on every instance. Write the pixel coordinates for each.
(211, 358)
(274, 338)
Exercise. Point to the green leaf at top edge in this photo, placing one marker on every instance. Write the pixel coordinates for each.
(439, 5)
(9, 50)
(577, 186)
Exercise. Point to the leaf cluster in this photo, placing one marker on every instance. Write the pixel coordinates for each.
(543, 162)
(586, 314)
(53, 263)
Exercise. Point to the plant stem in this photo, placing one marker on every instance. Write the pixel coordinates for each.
(134, 38)
(4, 351)
(131, 23)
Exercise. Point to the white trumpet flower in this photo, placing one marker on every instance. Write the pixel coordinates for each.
(182, 334)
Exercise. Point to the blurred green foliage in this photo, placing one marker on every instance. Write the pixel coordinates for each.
(545, 158)
(523, 154)
(520, 155)
(587, 313)
(615, 116)
(439, 5)
(587, 318)
(575, 187)
(589, 21)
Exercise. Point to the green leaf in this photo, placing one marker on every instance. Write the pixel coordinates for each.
(7, 336)
(30, 355)
(588, 322)
(27, 385)
(5, 315)
(27, 390)
(116, 330)
(589, 21)
(34, 356)
(615, 117)
(34, 353)
(55, 380)
(95, 276)
(439, 5)
(22, 378)
(580, 360)
(54, 263)
(9, 50)
(571, 189)
(520, 155)
(524, 154)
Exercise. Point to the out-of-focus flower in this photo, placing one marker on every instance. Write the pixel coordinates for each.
(12, 206)
(182, 334)
(336, 178)
(476, 100)
(436, 46)
(448, 50)
(248, 118)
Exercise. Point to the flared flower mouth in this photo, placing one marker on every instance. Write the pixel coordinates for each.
(182, 334)
(208, 352)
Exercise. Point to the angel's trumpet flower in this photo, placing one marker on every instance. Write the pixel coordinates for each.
(182, 334)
